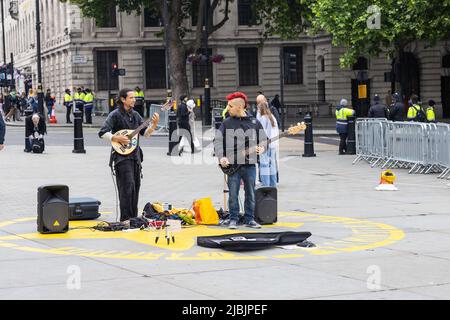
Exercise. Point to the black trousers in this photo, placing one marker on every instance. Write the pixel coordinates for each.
(343, 143)
(88, 114)
(128, 177)
(186, 131)
(68, 111)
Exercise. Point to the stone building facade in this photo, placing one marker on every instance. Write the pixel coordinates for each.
(77, 51)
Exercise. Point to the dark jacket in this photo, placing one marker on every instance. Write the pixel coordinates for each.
(118, 120)
(378, 110)
(30, 129)
(2, 130)
(276, 114)
(397, 111)
(182, 114)
(234, 135)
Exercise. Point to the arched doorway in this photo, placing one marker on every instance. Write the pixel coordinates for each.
(409, 75)
(361, 105)
(445, 86)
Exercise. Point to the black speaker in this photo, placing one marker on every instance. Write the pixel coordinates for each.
(266, 210)
(53, 209)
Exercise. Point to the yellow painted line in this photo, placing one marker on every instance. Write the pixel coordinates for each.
(363, 235)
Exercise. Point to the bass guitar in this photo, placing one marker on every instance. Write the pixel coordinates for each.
(233, 168)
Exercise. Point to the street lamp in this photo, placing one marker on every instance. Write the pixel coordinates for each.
(38, 58)
(207, 104)
(3, 33)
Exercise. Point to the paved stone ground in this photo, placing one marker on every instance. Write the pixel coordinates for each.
(371, 245)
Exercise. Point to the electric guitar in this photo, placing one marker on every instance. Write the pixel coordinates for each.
(133, 135)
(233, 168)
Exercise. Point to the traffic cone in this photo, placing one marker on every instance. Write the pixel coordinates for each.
(387, 181)
(53, 117)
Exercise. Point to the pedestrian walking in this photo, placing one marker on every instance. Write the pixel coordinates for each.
(184, 128)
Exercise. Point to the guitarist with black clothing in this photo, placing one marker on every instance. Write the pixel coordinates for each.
(127, 166)
(236, 134)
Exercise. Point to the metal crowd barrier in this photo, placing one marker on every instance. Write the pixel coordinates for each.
(419, 147)
(163, 124)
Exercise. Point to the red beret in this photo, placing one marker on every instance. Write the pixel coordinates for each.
(237, 95)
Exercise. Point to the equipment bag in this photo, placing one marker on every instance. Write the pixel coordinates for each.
(37, 146)
(252, 241)
(205, 212)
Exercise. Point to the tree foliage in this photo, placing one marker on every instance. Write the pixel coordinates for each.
(402, 21)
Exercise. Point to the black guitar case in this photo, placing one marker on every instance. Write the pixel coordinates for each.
(252, 241)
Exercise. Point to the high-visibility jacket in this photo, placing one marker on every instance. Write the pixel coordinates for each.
(89, 100)
(431, 117)
(139, 95)
(413, 112)
(67, 100)
(79, 98)
(342, 114)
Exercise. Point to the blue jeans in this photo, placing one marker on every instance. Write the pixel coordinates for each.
(248, 175)
(268, 168)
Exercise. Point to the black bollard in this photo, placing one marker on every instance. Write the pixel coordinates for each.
(173, 138)
(351, 141)
(78, 140)
(27, 113)
(309, 142)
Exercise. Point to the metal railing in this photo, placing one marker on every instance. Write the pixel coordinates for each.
(419, 147)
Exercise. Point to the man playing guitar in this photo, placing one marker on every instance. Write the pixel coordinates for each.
(238, 132)
(126, 156)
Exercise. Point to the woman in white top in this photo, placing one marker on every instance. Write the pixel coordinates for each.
(268, 160)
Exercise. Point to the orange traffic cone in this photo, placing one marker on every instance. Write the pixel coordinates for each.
(387, 181)
(53, 117)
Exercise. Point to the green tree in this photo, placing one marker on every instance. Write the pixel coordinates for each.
(353, 24)
(178, 10)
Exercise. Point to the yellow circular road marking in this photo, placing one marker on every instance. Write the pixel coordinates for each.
(362, 235)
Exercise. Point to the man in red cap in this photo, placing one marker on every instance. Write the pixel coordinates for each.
(236, 134)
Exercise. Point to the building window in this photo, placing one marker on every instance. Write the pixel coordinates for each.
(361, 64)
(321, 64)
(446, 61)
(293, 65)
(155, 69)
(105, 60)
(199, 72)
(152, 18)
(109, 19)
(321, 90)
(246, 16)
(248, 66)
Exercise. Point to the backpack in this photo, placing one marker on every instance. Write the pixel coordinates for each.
(421, 115)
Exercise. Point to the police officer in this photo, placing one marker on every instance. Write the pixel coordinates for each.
(79, 101)
(431, 117)
(140, 99)
(415, 111)
(68, 101)
(88, 105)
(342, 112)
